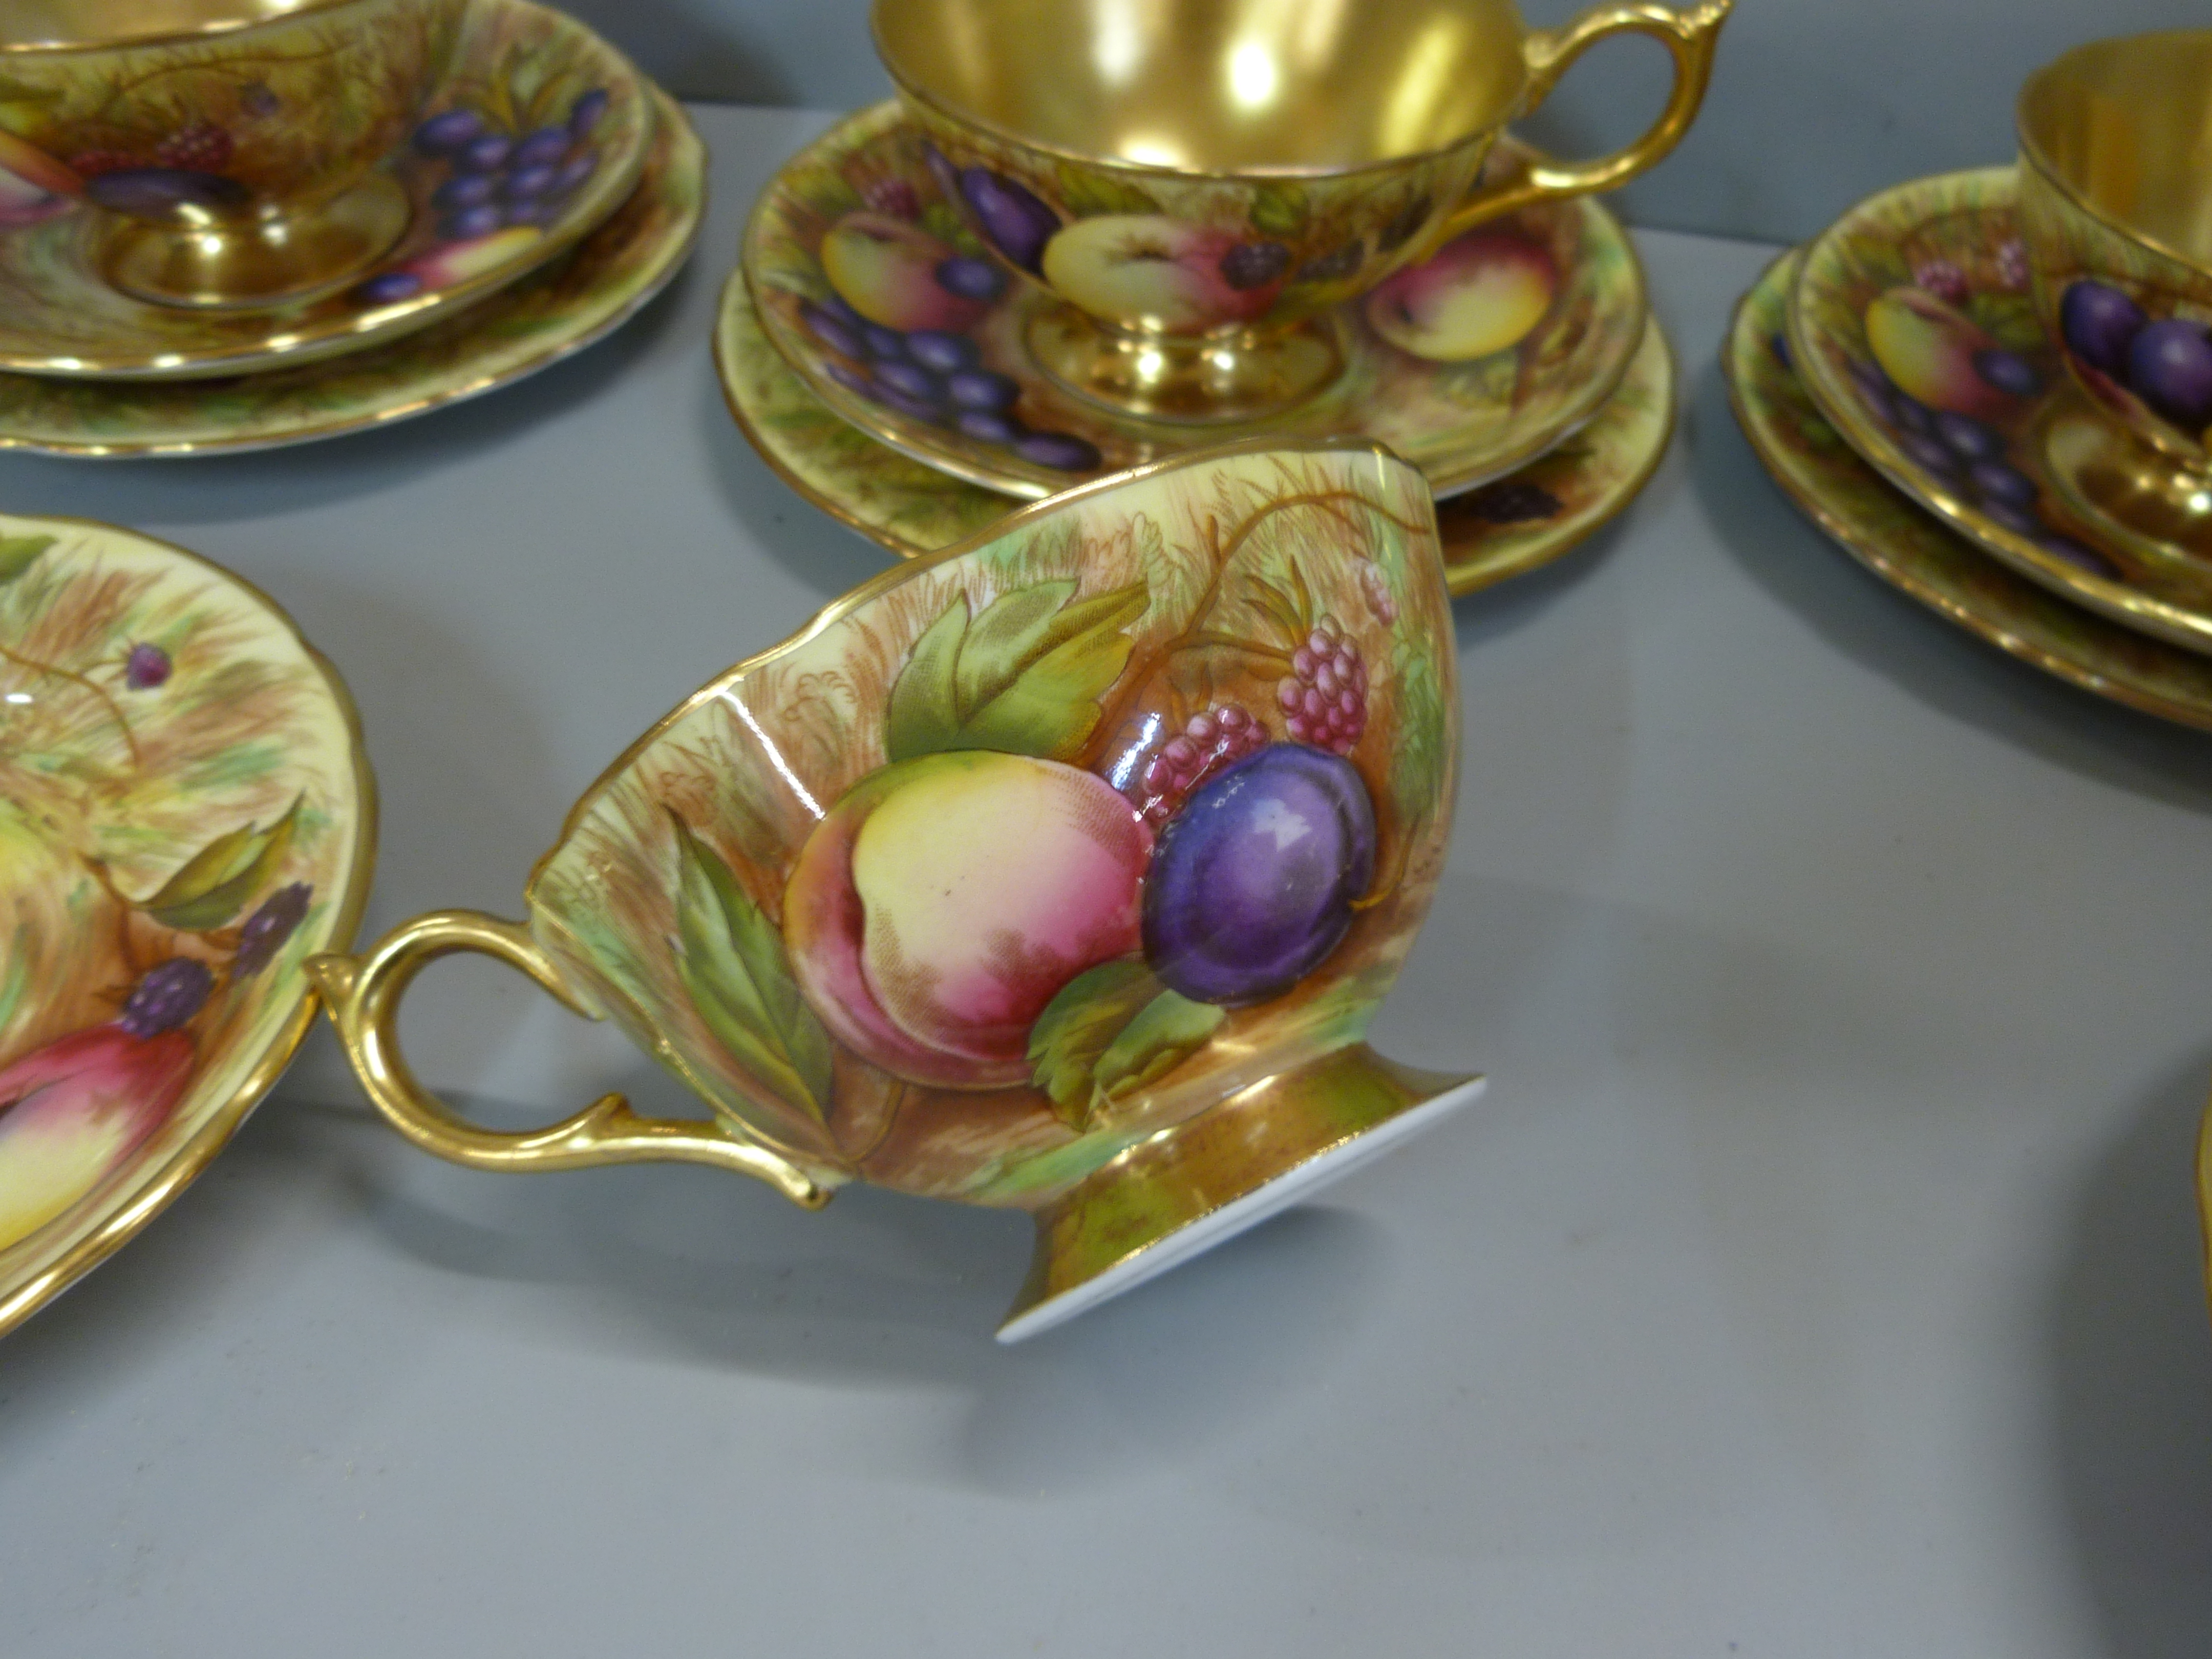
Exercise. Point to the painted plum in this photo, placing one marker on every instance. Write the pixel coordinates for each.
(944, 901)
(1252, 884)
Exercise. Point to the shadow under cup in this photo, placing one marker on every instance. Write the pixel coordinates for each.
(1062, 871)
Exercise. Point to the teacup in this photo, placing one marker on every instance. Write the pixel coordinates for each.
(231, 145)
(2116, 210)
(1203, 184)
(1062, 870)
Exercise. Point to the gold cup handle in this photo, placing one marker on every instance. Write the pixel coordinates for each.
(362, 994)
(1689, 37)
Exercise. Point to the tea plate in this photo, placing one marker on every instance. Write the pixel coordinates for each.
(1895, 540)
(576, 119)
(551, 314)
(1488, 534)
(187, 815)
(1931, 278)
(986, 413)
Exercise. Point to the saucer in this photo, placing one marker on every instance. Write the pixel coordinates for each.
(1904, 547)
(1488, 534)
(1568, 267)
(1942, 259)
(486, 213)
(187, 815)
(551, 313)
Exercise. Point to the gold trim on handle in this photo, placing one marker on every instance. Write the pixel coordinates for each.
(362, 994)
(1690, 37)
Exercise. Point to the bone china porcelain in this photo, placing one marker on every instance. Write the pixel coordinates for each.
(185, 814)
(534, 137)
(1062, 871)
(2116, 203)
(1206, 184)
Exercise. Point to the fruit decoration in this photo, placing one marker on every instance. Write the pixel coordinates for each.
(1220, 736)
(2165, 364)
(1481, 293)
(1324, 696)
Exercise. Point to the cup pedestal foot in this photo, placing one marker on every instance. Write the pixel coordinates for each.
(1194, 381)
(247, 264)
(2133, 497)
(1185, 1189)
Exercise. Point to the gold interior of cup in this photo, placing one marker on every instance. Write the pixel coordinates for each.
(2125, 127)
(1214, 86)
(28, 25)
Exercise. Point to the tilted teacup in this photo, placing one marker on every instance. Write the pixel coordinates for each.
(1060, 871)
(233, 145)
(2116, 210)
(1203, 184)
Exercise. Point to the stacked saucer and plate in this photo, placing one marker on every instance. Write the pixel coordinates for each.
(1072, 247)
(310, 220)
(1994, 387)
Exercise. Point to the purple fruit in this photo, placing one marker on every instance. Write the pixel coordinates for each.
(1017, 222)
(2081, 557)
(1994, 481)
(1334, 266)
(2170, 367)
(526, 184)
(852, 380)
(167, 997)
(971, 278)
(886, 342)
(541, 210)
(268, 928)
(2021, 520)
(486, 155)
(1968, 437)
(1513, 501)
(464, 189)
(1780, 347)
(915, 409)
(146, 667)
(1928, 453)
(388, 288)
(441, 135)
(987, 426)
(469, 223)
(575, 170)
(1910, 414)
(159, 193)
(945, 352)
(541, 149)
(1062, 451)
(911, 379)
(1254, 264)
(584, 114)
(831, 330)
(2008, 371)
(982, 389)
(2099, 324)
(1251, 886)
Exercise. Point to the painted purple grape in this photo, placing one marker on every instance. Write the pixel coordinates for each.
(916, 408)
(1968, 437)
(167, 997)
(464, 189)
(541, 149)
(2081, 557)
(146, 667)
(1254, 264)
(268, 928)
(852, 380)
(989, 426)
(1251, 886)
(443, 134)
(910, 378)
(1868, 375)
(2170, 368)
(1061, 451)
(1908, 414)
(2008, 371)
(1928, 453)
(1334, 266)
(838, 307)
(575, 170)
(584, 114)
(1994, 481)
(388, 288)
(833, 330)
(945, 354)
(983, 389)
(159, 193)
(470, 222)
(2021, 520)
(971, 278)
(2099, 324)
(886, 342)
(486, 155)
(538, 211)
(527, 184)
(1017, 222)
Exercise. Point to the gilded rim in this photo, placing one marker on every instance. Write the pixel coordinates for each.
(686, 171)
(1992, 189)
(1754, 379)
(603, 197)
(49, 1278)
(206, 31)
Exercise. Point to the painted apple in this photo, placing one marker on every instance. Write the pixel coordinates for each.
(1147, 270)
(944, 901)
(1479, 293)
(1932, 352)
(886, 270)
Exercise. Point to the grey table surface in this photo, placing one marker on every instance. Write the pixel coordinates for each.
(1817, 1277)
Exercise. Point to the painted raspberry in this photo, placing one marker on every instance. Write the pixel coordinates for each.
(146, 667)
(896, 197)
(1324, 696)
(268, 928)
(1943, 279)
(1376, 589)
(1512, 500)
(1207, 744)
(1254, 264)
(2012, 264)
(91, 163)
(203, 147)
(167, 997)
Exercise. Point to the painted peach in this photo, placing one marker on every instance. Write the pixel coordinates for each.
(74, 1110)
(1929, 349)
(944, 901)
(1479, 293)
(1147, 270)
(886, 270)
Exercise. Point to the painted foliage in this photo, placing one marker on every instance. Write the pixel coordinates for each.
(1042, 847)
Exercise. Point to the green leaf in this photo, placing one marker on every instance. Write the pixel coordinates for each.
(19, 553)
(1078, 1025)
(13, 91)
(1166, 1032)
(735, 971)
(1083, 192)
(213, 885)
(1024, 678)
(1279, 210)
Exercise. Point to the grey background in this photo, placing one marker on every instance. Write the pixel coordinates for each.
(1815, 103)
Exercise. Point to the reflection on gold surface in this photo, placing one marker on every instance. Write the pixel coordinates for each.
(29, 24)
